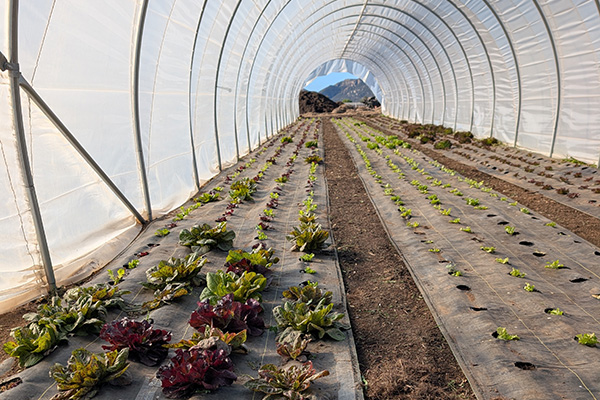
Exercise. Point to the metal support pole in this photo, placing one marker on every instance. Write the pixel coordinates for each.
(136, 109)
(190, 111)
(82, 152)
(13, 67)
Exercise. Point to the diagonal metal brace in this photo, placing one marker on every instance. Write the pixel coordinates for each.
(80, 149)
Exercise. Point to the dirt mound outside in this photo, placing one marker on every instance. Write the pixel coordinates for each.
(313, 102)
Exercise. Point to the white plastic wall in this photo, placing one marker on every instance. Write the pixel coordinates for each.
(216, 78)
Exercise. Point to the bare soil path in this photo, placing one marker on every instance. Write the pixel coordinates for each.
(401, 351)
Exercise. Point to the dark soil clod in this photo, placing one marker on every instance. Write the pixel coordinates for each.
(525, 366)
(526, 243)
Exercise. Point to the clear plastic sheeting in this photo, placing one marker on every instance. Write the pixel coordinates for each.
(215, 79)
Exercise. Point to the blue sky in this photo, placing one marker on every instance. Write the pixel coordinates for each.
(322, 82)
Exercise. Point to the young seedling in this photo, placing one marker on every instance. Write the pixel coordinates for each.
(510, 230)
(502, 260)
(162, 232)
(118, 277)
(407, 212)
(512, 204)
(551, 224)
(133, 263)
(517, 274)
(587, 339)
(456, 192)
(529, 287)
(309, 270)
(481, 207)
(412, 224)
(446, 211)
(307, 257)
(269, 212)
(455, 221)
(274, 195)
(504, 335)
(262, 235)
(453, 271)
(525, 211)
(488, 249)
(434, 250)
(555, 311)
(472, 202)
(503, 199)
(466, 229)
(554, 265)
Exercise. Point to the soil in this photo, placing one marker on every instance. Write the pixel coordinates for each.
(578, 222)
(8, 321)
(402, 354)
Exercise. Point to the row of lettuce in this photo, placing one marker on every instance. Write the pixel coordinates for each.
(228, 314)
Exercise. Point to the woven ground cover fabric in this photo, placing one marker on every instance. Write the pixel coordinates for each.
(546, 362)
(337, 357)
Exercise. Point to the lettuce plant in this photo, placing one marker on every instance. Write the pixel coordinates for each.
(285, 383)
(193, 370)
(32, 343)
(207, 197)
(235, 340)
(311, 295)
(587, 339)
(242, 189)
(166, 295)
(145, 343)
(248, 285)
(501, 333)
(201, 239)
(308, 237)
(301, 317)
(293, 345)
(85, 372)
(80, 311)
(175, 270)
(229, 316)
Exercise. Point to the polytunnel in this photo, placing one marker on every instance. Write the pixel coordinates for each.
(115, 113)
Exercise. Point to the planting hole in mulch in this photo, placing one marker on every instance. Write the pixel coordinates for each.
(539, 253)
(526, 243)
(549, 310)
(525, 366)
(503, 223)
(9, 384)
(576, 241)
(577, 280)
(562, 234)
(491, 215)
(463, 287)
(478, 308)
(597, 253)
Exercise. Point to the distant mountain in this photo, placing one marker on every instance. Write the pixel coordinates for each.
(313, 102)
(352, 89)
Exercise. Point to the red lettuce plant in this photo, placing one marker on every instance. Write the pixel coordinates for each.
(229, 316)
(195, 369)
(144, 342)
